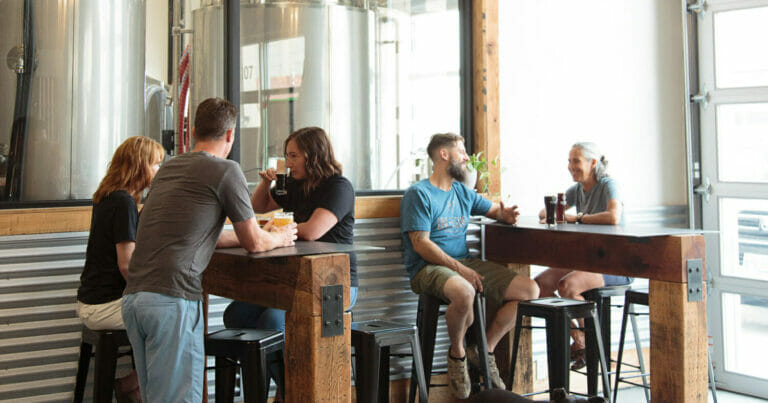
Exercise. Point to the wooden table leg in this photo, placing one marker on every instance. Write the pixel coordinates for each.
(678, 344)
(317, 368)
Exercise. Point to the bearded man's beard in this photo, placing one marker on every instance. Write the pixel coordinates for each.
(457, 171)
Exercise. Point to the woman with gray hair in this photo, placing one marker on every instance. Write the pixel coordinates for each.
(597, 200)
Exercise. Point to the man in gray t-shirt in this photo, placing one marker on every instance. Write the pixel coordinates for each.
(179, 227)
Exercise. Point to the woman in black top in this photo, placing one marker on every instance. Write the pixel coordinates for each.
(113, 231)
(112, 237)
(323, 205)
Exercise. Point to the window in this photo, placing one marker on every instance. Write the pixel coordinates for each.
(380, 80)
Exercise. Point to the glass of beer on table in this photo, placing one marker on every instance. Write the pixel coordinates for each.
(262, 219)
(283, 218)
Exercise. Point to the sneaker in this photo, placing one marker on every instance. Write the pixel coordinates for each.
(474, 360)
(458, 377)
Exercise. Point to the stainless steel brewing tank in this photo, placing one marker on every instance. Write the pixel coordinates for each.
(303, 63)
(87, 92)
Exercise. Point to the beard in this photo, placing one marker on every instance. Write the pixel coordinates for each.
(457, 171)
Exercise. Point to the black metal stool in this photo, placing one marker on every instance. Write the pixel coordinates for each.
(631, 299)
(426, 320)
(107, 343)
(249, 348)
(602, 298)
(558, 313)
(372, 340)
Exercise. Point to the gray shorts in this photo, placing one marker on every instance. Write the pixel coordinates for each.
(431, 279)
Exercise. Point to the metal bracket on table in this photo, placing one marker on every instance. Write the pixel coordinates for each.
(695, 273)
(333, 310)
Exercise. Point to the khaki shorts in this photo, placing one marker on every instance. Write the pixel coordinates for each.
(102, 316)
(431, 279)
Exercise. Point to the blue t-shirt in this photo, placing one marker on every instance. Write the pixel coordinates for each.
(596, 200)
(445, 214)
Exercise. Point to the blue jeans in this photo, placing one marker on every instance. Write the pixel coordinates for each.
(166, 335)
(251, 316)
(611, 280)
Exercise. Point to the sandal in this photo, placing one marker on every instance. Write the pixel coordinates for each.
(578, 359)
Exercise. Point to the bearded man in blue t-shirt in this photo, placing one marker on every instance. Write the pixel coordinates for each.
(434, 214)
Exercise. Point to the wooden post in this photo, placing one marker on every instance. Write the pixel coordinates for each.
(678, 344)
(317, 368)
(524, 368)
(485, 85)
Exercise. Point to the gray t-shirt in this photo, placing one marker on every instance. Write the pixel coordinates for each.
(189, 200)
(596, 200)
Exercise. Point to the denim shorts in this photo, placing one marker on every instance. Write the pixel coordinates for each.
(611, 280)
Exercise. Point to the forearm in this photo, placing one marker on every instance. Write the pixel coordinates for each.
(605, 217)
(432, 254)
(227, 239)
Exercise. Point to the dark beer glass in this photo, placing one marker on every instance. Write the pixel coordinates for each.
(280, 186)
(550, 203)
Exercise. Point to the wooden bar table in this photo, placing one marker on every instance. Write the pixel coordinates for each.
(671, 258)
(307, 280)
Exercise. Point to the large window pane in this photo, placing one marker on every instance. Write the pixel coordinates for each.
(745, 328)
(72, 88)
(380, 80)
(744, 238)
(740, 41)
(742, 142)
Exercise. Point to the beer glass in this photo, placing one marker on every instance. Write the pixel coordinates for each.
(280, 172)
(283, 218)
(550, 203)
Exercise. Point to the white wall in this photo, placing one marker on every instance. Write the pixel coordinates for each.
(157, 40)
(605, 71)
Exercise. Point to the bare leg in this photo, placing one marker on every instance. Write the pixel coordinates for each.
(458, 315)
(571, 286)
(549, 279)
(520, 288)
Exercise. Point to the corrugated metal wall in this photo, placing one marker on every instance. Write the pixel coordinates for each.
(40, 332)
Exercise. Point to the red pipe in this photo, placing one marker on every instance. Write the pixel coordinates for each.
(183, 129)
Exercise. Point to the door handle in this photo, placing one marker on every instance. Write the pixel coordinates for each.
(704, 189)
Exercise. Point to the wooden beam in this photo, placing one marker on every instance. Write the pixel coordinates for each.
(659, 258)
(74, 219)
(326, 377)
(291, 283)
(678, 344)
(485, 85)
(377, 206)
(45, 220)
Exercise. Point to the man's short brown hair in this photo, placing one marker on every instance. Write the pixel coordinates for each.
(442, 140)
(213, 118)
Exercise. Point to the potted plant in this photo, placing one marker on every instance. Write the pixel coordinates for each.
(478, 172)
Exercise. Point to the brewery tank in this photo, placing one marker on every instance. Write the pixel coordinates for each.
(83, 96)
(303, 63)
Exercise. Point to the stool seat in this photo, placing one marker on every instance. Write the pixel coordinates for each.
(372, 340)
(558, 313)
(237, 338)
(106, 343)
(249, 348)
